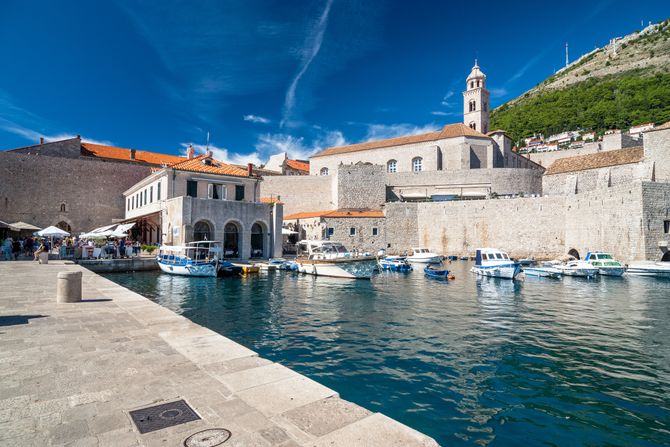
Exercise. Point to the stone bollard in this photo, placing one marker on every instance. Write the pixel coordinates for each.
(68, 289)
(43, 258)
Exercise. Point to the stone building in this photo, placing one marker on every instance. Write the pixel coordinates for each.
(476, 101)
(200, 198)
(282, 165)
(72, 184)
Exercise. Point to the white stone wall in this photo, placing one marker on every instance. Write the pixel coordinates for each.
(657, 151)
(361, 186)
(594, 179)
(302, 193)
(656, 197)
(364, 240)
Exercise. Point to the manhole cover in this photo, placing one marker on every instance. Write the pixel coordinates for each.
(208, 438)
(162, 416)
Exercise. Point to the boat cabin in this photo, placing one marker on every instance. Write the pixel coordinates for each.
(491, 255)
(199, 252)
(322, 250)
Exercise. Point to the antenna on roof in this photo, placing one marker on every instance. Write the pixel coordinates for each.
(207, 145)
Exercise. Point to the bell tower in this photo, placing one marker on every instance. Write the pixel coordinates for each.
(476, 101)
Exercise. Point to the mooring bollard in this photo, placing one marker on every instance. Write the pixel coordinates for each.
(68, 289)
(43, 258)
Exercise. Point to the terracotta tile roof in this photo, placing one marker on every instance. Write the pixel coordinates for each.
(271, 200)
(297, 164)
(597, 160)
(196, 164)
(354, 213)
(448, 131)
(120, 153)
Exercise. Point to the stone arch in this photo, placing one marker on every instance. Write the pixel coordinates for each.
(666, 257)
(232, 239)
(259, 239)
(574, 253)
(64, 226)
(323, 171)
(63, 207)
(203, 230)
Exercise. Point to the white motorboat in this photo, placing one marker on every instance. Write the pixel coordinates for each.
(578, 268)
(659, 269)
(424, 256)
(199, 258)
(605, 263)
(545, 272)
(331, 270)
(495, 263)
(317, 250)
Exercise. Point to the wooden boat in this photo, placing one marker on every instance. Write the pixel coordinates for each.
(436, 273)
(424, 256)
(495, 263)
(200, 258)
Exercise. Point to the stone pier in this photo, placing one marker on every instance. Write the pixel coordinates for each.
(70, 373)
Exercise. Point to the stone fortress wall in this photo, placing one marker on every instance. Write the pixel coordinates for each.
(301, 192)
(61, 186)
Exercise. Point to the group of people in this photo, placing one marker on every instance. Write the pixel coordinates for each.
(11, 248)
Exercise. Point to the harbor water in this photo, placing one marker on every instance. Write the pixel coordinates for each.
(475, 361)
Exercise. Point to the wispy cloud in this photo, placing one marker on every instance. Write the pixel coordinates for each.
(256, 119)
(498, 92)
(311, 49)
(34, 136)
(443, 113)
(383, 131)
(225, 155)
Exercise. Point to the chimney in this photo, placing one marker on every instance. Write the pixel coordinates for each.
(41, 140)
(208, 154)
(190, 152)
(250, 169)
(132, 154)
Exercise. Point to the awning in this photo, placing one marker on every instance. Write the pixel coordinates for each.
(287, 231)
(4, 224)
(18, 226)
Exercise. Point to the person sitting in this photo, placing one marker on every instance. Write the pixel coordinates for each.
(41, 249)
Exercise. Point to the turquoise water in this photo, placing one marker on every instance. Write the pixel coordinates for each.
(477, 361)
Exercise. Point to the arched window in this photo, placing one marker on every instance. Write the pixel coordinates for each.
(417, 164)
(63, 207)
(473, 105)
(473, 125)
(231, 238)
(202, 231)
(324, 171)
(472, 84)
(257, 240)
(477, 82)
(392, 166)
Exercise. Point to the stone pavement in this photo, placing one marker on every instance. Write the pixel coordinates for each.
(70, 374)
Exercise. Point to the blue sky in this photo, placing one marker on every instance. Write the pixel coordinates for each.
(266, 76)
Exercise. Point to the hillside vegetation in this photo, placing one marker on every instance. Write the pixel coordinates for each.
(600, 91)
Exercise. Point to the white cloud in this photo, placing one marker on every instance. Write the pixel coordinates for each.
(311, 49)
(384, 131)
(438, 113)
(297, 147)
(498, 92)
(34, 136)
(256, 119)
(448, 95)
(225, 155)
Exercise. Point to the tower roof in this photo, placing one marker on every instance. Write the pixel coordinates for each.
(476, 73)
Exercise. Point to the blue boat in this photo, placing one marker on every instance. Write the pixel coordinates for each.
(395, 264)
(436, 273)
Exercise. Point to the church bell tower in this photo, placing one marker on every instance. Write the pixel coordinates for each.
(476, 101)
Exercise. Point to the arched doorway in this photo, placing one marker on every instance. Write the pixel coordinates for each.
(257, 240)
(202, 231)
(64, 226)
(574, 253)
(666, 257)
(231, 240)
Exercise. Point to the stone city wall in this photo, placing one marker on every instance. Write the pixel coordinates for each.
(547, 158)
(363, 240)
(301, 193)
(69, 148)
(657, 151)
(656, 199)
(361, 186)
(33, 188)
(593, 179)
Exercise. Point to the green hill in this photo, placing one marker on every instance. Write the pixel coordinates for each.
(607, 88)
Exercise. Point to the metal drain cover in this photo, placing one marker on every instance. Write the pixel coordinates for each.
(208, 438)
(162, 416)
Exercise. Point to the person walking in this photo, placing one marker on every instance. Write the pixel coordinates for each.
(7, 249)
(122, 247)
(16, 249)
